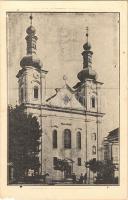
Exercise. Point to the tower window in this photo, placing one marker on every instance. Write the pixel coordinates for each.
(93, 102)
(78, 140)
(54, 139)
(36, 92)
(93, 136)
(22, 95)
(33, 46)
(93, 150)
(89, 58)
(67, 139)
(79, 161)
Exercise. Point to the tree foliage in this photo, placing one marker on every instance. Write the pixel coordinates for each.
(24, 141)
(104, 170)
(61, 164)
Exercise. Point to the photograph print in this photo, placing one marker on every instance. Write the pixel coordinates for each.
(63, 98)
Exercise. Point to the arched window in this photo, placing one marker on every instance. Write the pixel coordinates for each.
(54, 138)
(93, 102)
(78, 140)
(36, 92)
(93, 150)
(21, 93)
(67, 139)
(93, 136)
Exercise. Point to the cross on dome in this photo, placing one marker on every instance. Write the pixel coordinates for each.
(87, 33)
(87, 45)
(31, 18)
(31, 29)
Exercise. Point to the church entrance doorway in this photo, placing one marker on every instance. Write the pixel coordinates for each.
(69, 169)
(68, 172)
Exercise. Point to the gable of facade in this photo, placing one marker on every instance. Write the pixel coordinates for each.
(64, 98)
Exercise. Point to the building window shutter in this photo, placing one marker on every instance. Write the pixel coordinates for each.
(67, 139)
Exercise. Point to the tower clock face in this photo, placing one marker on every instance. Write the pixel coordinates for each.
(36, 76)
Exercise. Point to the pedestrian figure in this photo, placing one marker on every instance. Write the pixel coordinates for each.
(73, 178)
(85, 178)
(81, 179)
(44, 177)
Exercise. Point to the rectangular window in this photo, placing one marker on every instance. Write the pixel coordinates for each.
(93, 150)
(78, 140)
(36, 92)
(54, 138)
(79, 161)
(54, 161)
(93, 102)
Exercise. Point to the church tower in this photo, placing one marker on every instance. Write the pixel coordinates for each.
(31, 77)
(87, 89)
(88, 93)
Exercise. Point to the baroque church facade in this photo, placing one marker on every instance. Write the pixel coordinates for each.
(71, 119)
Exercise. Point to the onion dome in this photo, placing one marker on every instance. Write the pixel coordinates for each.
(31, 30)
(87, 73)
(87, 46)
(31, 60)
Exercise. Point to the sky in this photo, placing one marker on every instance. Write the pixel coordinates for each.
(60, 43)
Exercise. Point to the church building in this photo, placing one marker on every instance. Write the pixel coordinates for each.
(71, 119)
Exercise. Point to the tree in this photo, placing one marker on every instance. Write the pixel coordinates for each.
(94, 165)
(24, 142)
(104, 170)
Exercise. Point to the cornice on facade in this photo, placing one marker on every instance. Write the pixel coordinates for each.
(64, 110)
(30, 67)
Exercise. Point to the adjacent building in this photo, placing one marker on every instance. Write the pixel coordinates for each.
(111, 149)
